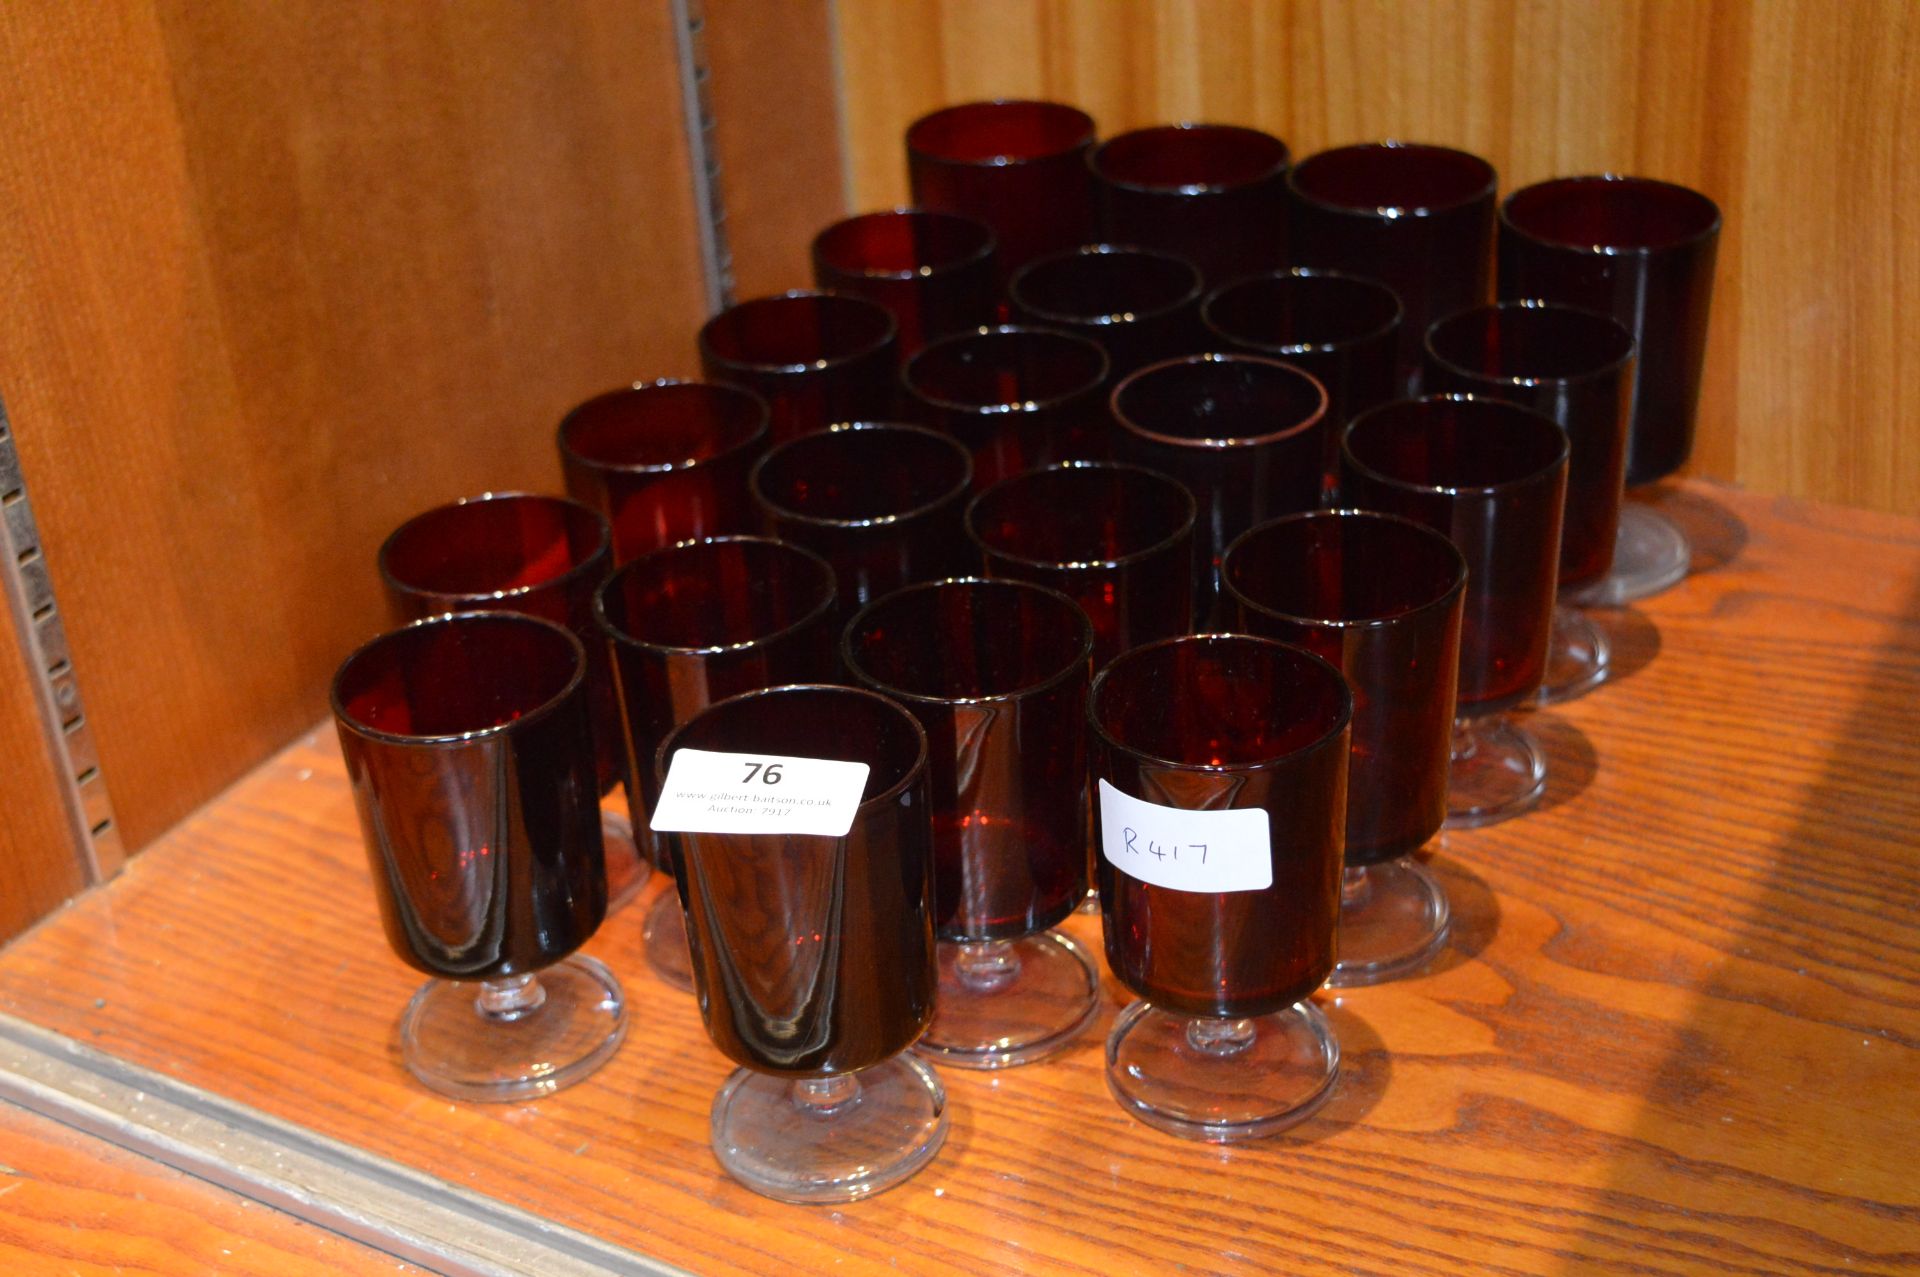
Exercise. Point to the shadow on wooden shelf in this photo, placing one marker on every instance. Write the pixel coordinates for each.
(1475, 911)
(1633, 637)
(1366, 1071)
(1806, 1015)
(1714, 532)
(1572, 762)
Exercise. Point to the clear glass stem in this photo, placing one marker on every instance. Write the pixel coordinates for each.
(510, 999)
(1466, 740)
(1356, 887)
(825, 1096)
(1219, 1038)
(987, 965)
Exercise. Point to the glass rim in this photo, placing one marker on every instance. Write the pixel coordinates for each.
(1226, 443)
(1279, 168)
(982, 252)
(1344, 718)
(1534, 305)
(570, 453)
(1048, 315)
(1088, 132)
(1454, 490)
(1440, 602)
(604, 548)
(962, 407)
(889, 334)
(1487, 190)
(662, 757)
(1344, 278)
(1623, 180)
(1025, 690)
(462, 620)
(1183, 531)
(769, 506)
(626, 638)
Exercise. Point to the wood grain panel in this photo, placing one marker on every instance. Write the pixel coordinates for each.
(1677, 1031)
(39, 864)
(74, 1204)
(777, 129)
(1793, 114)
(276, 277)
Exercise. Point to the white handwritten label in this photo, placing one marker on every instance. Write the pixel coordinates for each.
(1205, 851)
(712, 793)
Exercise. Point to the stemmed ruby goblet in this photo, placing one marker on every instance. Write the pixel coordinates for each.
(470, 754)
(1380, 598)
(1222, 773)
(1491, 476)
(996, 671)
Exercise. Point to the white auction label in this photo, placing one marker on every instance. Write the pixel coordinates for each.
(1207, 851)
(712, 793)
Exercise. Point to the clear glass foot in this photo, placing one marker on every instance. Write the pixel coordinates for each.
(664, 940)
(1393, 919)
(1650, 554)
(517, 1038)
(833, 1139)
(1578, 657)
(1010, 1002)
(1218, 1079)
(1498, 771)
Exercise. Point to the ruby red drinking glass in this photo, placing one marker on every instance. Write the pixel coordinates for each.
(813, 955)
(1492, 477)
(1215, 194)
(1243, 433)
(1341, 328)
(522, 552)
(996, 672)
(1018, 166)
(1641, 251)
(693, 624)
(1016, 397)
(1141, 305)
(1221, 762)
(1417, 218)
(933, 271)
(664, 461)
(882, 503)
(1575, 366)
(816, 358)
(470, 754)
(1380, 598)
(1116, 539)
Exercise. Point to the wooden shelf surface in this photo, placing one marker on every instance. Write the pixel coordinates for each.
(73, 1204)
(1677, 1031)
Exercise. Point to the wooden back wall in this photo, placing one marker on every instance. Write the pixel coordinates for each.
(275, 278)
(1796, 115)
